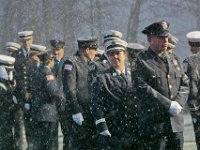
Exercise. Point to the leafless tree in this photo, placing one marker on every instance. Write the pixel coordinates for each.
(133, 23)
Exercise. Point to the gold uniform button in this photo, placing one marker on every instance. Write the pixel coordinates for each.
(168, 76)
(170, 86)
(171, 97)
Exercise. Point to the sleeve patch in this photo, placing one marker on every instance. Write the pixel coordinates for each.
(50, 77)
(68, 67)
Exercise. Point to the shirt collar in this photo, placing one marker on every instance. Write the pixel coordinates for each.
(120, 72)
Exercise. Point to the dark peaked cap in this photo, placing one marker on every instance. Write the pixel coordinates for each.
(57, 44)
(135, 47)
(157, 29)
(88, 42)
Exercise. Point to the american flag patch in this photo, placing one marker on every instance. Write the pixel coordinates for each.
(68, 67)
(50, 77)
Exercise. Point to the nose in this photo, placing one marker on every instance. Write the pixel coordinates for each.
(55, 52)
(115, 55)
(165, 39)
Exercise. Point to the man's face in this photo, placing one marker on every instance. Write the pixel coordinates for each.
(27, 43)
(158, 43)
(9, 52)
(117, 58)
(58, 53)
(194, 50)
(35, 59)
(90, 53)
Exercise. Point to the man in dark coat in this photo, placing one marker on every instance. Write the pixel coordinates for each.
(192, 69)
(45, 100)
(112, 100)
(6, 103)
(58, 50)
(162, 90)
(75, 87)
(24, 68)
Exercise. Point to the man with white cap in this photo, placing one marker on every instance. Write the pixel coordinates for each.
(162, 88)
(192, 69)
(26, 38)
(34, 50)
(6, 104)
(109, 35)
(102, 62)
(111, 96)
(12, 48)
(24, 68)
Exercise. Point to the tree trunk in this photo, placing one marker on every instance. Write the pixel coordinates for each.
(35, 21)
(46, 21)
(134, 21)
(198, 15)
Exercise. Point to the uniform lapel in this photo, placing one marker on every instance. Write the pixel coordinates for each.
(167, 57)
(155, 60)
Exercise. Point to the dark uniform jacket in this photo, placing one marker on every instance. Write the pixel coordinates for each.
(160, 81)
(6, 115)
(113, 99)
(192, 65)
(75, 86)
(45, 95)
(57, 71)
(6, 103)
(24, 70)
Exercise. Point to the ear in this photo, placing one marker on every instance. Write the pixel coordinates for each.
(149, 39)
(87, 50)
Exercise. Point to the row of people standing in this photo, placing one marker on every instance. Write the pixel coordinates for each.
(38, 96)
(160, 87)
(135, 107)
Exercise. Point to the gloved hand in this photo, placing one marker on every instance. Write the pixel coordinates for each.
(27, 106)
(105, 133)
(175, 108)
(14, 99)
(78, 118)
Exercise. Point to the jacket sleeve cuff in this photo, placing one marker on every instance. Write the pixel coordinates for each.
(101, 125)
